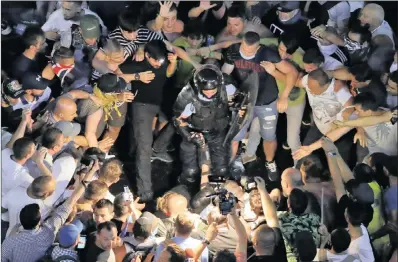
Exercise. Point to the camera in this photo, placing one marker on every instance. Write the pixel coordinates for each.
(248, 183)
(226, 201)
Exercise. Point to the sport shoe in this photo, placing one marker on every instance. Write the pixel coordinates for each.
(247, 159)
(272, 170)
(170, 148)
(5, 27)
(285, 146)
(162, 156)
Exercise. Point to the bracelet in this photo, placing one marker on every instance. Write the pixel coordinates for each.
(206, 242)
(85, 183)
(332, 154)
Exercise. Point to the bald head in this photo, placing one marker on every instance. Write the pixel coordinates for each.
(176, 204)
(290, 179)
(43, 186)
(372, 14)
(264, 240)
(65, 109)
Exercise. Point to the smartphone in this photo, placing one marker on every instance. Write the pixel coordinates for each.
(82, 242)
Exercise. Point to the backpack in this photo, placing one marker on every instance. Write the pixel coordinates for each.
(48, 258)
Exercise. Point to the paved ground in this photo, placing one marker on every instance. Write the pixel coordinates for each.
(164, 175)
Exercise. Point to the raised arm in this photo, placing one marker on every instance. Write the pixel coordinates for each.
(20, 132)
(267, 204)
(332, 155)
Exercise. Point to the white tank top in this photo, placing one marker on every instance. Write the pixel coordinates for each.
(327, 106)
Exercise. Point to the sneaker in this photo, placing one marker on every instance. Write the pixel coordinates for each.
(5, 27)
(109, 156)
(306, 122)
(170, 148)
(162, 156)
(247, 159)
(272, 170)
(285, 146)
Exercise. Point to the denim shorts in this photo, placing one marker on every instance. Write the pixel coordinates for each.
(268, 117)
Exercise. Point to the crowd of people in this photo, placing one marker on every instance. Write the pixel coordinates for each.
(208, 80)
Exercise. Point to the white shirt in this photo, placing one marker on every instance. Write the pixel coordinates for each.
(62, 171)
(56, 22)
(12, 173)
(5, 138)
(361, 248)
(35, 103)
(327, 106)
(14, 201)
(185, 243)
(109, 196)
(382, 138)
(342, 257)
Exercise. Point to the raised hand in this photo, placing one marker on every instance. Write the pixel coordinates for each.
(165, 8)
(172, 58)
(205, 5)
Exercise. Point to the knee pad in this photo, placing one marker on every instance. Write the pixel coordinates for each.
(189, 175)
(221, 171)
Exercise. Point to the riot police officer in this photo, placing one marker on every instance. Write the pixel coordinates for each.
(201, 116)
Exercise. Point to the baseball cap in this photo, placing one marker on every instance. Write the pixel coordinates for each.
(305, 246)
(288, 6)
(34, 81)
(90, 26)
(147, 222)
(12, 88)
(68, 128)
(68, 234)
(111, 83)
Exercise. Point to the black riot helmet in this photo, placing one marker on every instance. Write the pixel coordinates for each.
(208, 77)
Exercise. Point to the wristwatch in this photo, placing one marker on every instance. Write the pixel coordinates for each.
(137, 76)
(206, 242)
(332, 154)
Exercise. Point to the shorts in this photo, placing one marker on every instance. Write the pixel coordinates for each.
(268, 117)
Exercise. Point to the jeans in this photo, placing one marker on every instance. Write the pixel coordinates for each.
(268, 118)
(141, 124)
(294, 115)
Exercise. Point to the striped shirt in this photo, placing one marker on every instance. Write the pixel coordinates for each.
(144, 35)
(31, 245)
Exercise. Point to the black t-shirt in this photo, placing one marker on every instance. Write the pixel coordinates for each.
(151, 93)
(279, 252)
(268, 90)
(23, 65)
(299, 28)
(91, 250)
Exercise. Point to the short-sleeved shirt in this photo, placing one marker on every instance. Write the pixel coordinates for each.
(244, 66)
(390, 198)
(151, 93)
(12, 173)
(297, 95)
(23, 65)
